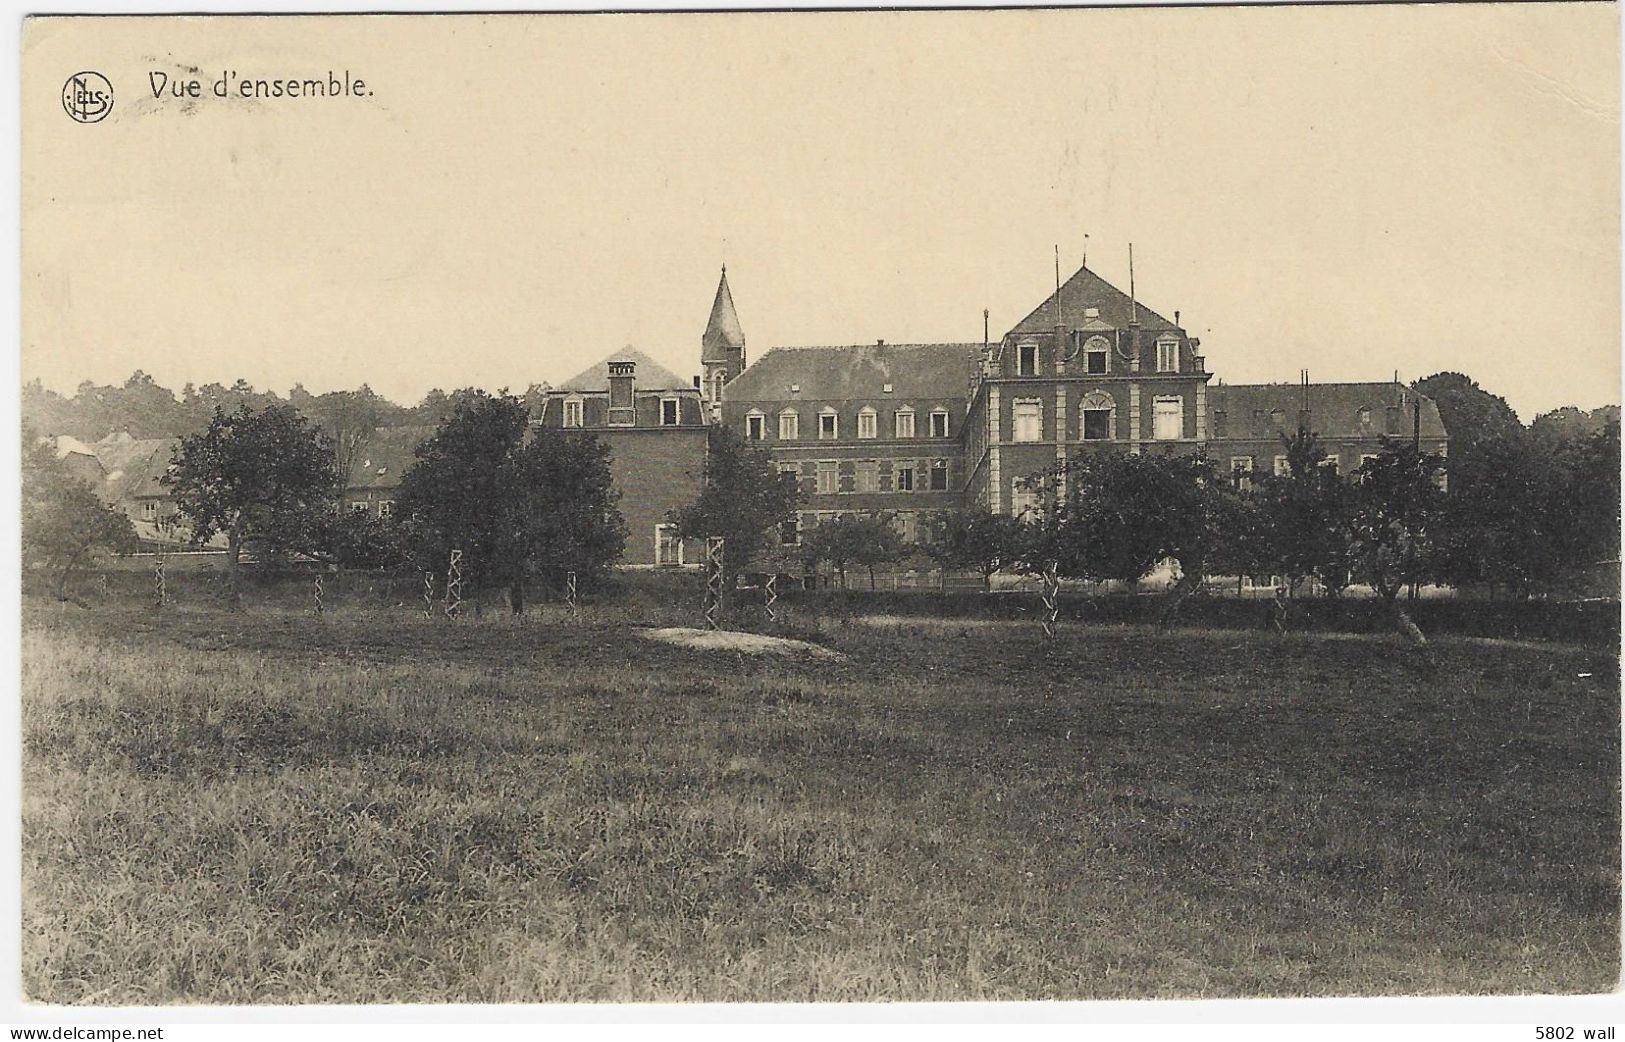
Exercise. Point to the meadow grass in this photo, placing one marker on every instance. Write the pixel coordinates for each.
(370, 807)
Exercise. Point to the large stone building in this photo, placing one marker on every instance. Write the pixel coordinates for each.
(908, 429)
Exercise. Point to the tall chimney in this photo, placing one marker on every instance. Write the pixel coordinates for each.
(622, 402)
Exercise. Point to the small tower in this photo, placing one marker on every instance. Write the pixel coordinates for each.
(722, 348)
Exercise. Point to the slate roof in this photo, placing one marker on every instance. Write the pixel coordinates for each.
(857, 372)
(1086, 290)
(722, 332)
(1334, 409)
(650, 375)
(386, 456)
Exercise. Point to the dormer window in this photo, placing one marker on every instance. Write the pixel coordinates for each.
(866, 422)
(829, 427)
(755, 425)
(939, 423)
(789, 425)
(572, 412)
(668, 412)
(1167, 356)
(1027, 359)
(1364, 419)
(905, 423)
(1097, 355)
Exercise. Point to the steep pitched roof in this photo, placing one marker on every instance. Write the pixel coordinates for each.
(1086, 290)
(388, 453)
(861, 371)
(723, 332)
(650, 374)
(1334, 409)
(134, 465)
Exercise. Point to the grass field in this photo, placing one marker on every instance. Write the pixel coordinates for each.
(369, 807)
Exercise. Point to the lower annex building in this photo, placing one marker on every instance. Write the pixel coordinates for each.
(911, 429)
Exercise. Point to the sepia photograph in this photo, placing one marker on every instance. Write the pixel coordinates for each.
(846, 507)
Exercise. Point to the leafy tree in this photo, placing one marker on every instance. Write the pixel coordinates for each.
(262, 477)
(64, 523)
(1306, 517)
(976, 540)
(361, 539)
(1397, 508)
(865, 540)
(744, 500)
(516, 506)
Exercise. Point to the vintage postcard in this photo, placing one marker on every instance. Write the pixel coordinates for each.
(820, 507)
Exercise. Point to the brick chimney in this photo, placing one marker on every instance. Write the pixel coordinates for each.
(622, 404)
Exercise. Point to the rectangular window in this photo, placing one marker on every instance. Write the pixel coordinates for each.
(905, 423)
(866, 423)
(1282, 467)
(1095, 358)
(1027, 421)
(939, 423)
(868, 475)
(826, 477)
(572, 414)
(789, 426)
(790, 532)
(939, 475)
(1027, 360)
(668, 548)
(1097, 424)
(1329, 464)
(1241, 470)
(668, 412)
(1167, 356)
(359, 507)
(905, 477)
(753, 427)
(1024, 502)
(1168, 418)
(149, 509)
(907, 527)
(386, 508)
(827, 428)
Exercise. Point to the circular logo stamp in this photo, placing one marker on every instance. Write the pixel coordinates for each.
(87, 97)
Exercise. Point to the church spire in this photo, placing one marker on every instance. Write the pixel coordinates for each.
(723, 335)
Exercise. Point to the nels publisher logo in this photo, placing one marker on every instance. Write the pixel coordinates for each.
(87, 97)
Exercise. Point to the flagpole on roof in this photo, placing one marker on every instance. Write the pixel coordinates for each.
(1133, 303)
(1057, 285)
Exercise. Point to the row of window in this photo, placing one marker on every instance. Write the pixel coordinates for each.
(906, 524)
(866, 476)
(829, 424)
(1096, 353)
(1098, 416)
(1275, 419)
(1242, 468)
(621, 417)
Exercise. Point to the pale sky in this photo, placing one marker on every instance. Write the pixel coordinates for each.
(1352, 190)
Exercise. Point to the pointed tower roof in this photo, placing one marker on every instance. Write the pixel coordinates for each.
(723, 333)
(1086, 290)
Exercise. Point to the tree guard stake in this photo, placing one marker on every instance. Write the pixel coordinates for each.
(158, 582)
(772, 597)
(428, 595)
(570, 593)
(320, 608)
(713, 580)
(454, 585)
(1052, 597)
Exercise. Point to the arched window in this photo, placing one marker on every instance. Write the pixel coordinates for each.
(1097, 355)
(1099, 416)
